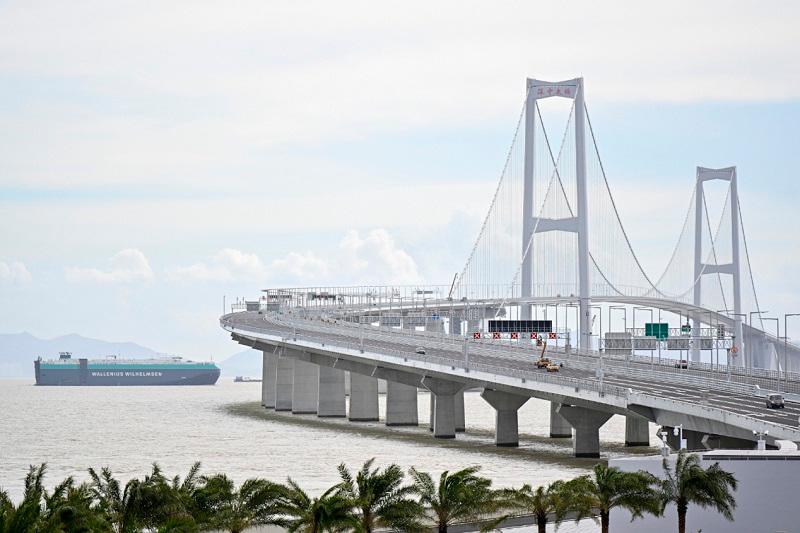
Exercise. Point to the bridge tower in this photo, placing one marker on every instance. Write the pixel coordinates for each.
(579, 223)
(701, 268)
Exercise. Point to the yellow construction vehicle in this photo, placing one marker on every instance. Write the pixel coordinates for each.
(543, 361)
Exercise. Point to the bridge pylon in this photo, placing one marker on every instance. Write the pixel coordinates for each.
(579, 222)
(701, 268)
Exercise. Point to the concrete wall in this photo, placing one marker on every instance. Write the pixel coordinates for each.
(769, 484)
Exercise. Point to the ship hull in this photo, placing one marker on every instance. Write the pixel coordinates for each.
(85, 375)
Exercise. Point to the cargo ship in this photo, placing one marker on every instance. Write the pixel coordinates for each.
(67, 370)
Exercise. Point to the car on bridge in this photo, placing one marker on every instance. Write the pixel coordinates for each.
(420, 350)
(682, 363)
(775, 401)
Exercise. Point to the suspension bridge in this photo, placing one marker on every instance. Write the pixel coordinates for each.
(551, 257)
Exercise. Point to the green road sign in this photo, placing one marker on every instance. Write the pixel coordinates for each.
(659, 330)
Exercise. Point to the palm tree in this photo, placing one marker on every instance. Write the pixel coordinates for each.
(380, 498)
(184, 491)
(691, 483)
(70, 509)
(542, 502)
(332, 511)
(610, 487)
(459, 496)
(6, 510)
(221, 506)
(118, 504)
(27, 515)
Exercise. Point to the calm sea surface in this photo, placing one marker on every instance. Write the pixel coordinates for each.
(128, 428)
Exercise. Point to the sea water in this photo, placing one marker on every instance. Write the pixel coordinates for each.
(224, 427)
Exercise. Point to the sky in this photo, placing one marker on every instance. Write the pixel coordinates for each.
(156, 157)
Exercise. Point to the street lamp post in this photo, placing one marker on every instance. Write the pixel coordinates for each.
(624, 321)
(577, 325)
(624, 316)
(778, 336)
(715, 344)
(786, 349)
(600, 337)
(750, 352)
(729, 313)
(650, 310)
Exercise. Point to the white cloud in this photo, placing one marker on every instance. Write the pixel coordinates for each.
(14, 273)
(372, 258)
(300, 266)
(127, 266)
(376, 258)
(225, 266)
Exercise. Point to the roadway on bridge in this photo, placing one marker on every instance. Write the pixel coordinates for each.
(503, 358)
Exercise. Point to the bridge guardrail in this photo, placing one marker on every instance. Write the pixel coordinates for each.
(749, 373)
(577, 384)
(617, 366)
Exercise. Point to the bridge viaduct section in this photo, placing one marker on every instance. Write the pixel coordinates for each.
(308, 382)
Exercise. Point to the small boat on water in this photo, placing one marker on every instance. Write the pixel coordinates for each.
(246, 379)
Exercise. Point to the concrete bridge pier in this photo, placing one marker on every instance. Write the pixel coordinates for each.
(460, 417)
(444, 412)
(461, 422)
(331, 393)
(284, 378)
(559, 427)
(363, 398)
(401, 405)
(305, 388)
(505, 419)
(269, 368)
(586, 423)
(637, 432)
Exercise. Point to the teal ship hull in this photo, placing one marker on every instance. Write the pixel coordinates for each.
(112, 372)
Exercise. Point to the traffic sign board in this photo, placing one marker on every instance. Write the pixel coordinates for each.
(659, 330)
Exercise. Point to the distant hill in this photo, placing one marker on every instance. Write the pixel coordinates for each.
(244, 363)
(18, 350)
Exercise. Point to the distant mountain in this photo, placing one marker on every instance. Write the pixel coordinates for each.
(245, 363)
(18, 350)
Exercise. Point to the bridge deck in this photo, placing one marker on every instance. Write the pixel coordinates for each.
(688, 388)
